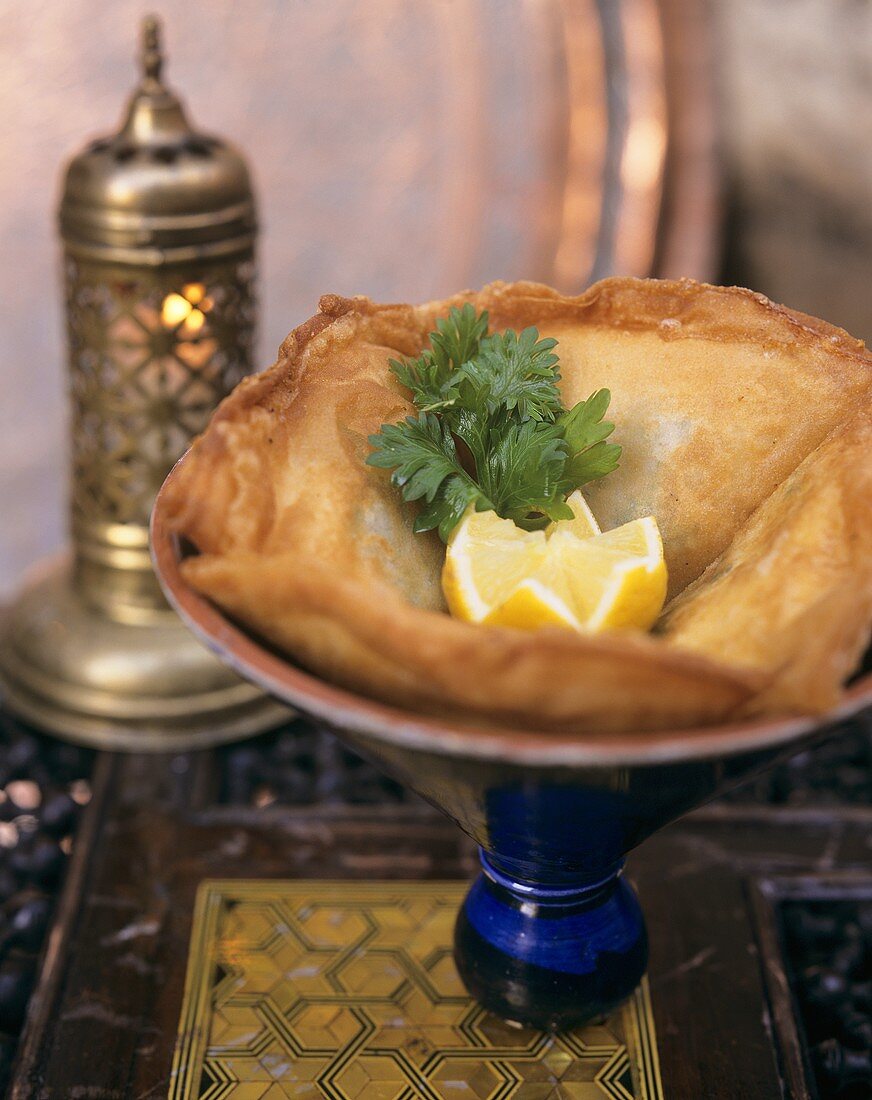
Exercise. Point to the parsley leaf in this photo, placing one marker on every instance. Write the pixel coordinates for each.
(491, 429)
(523, 474)
(432, 376)
(447, 508)
(427, 379)
(422, 453)
(514, 373)
(585, 430)
(457, 339)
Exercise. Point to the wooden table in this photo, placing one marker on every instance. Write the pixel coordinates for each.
(105, 1016)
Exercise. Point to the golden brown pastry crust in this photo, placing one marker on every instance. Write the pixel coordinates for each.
(804, 562)
(718, 396)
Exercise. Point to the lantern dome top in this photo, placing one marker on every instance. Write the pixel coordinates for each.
(157, 190)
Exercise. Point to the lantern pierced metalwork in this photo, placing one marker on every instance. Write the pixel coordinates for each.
(158, 226)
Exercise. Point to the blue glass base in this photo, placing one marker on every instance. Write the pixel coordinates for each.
(550, 956)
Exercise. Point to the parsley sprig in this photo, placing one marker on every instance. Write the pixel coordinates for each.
(491, 428)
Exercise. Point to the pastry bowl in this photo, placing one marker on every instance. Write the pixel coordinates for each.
(550, 934)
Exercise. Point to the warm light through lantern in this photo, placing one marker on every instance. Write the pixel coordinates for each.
(194, 292)
(174, 310)
(193, 322)
(186, 311)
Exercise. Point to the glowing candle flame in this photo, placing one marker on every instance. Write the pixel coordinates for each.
(194, 292)
(194, 322)
(187, 310)
(174, 310)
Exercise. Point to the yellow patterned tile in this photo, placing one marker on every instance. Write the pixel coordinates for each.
(443, 975)
(235, 1026)
(332, 925)
(473, 1080)
(371, 974)
(372, 1077)
(260, 1091)
(327, 1027)
(348, 991)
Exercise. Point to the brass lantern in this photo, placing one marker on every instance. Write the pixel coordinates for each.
(158, 225)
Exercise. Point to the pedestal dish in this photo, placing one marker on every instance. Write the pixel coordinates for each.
(551, 933)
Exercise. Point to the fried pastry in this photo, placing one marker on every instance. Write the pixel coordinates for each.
(745, 429)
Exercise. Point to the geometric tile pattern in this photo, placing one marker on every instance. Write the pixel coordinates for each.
(348, 991)
(151, 353)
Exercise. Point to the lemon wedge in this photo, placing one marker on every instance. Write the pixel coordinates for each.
(583, 524)
(617, 579)
(570, 575)
(485, 559)
(545, 598)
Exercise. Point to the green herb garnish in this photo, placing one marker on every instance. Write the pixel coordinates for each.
(491, 428)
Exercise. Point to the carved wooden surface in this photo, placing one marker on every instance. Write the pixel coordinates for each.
(105, 1018)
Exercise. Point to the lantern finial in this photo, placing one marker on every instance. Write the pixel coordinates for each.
(151, 57)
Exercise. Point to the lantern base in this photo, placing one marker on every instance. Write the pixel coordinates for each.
(143, 686)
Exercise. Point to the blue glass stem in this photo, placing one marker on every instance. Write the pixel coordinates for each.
(550, 956)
